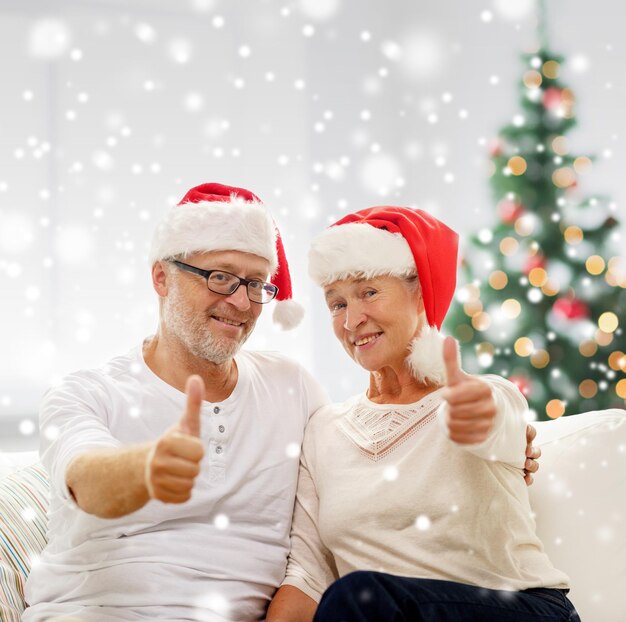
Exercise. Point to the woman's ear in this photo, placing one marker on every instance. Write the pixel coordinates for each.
(420, 302)
(159, 278)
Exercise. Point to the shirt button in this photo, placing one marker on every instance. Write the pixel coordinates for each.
(221, 428)
(218, 449)
(216, 409)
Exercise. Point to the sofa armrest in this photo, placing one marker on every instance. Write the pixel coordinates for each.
(23, 525)
(579, 500)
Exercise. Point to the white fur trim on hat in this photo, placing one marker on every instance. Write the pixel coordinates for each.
(287, 314)
(205, 226)
(426, 358)
(358, 249)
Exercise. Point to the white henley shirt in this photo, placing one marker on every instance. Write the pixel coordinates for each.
(219, 556)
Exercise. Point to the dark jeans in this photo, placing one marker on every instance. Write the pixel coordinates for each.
(377, 597)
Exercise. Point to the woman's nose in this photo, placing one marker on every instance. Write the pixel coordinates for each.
(354, 318)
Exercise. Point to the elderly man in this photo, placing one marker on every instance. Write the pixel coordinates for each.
(173, 468)
(201, 515)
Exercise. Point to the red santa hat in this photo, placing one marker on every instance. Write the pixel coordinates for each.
(396, 241)
(215, 217)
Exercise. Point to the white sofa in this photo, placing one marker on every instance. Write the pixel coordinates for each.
(579, 498)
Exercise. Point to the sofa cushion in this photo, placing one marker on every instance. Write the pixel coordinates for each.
(23, 506)
(579, 499)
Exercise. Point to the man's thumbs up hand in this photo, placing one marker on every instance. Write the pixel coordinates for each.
(173, 461)
(190, 421)
(471, 406)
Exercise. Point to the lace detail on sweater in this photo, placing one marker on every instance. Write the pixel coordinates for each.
(378, 432)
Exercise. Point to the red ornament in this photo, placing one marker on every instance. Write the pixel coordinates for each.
(522, 383)
(535, 261)
(570, 309)
(510, 210)
(552, 98)
(495, 148)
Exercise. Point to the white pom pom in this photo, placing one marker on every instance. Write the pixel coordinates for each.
(426, 358)
(288, 314)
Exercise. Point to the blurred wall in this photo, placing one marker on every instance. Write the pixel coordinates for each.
(111, 110)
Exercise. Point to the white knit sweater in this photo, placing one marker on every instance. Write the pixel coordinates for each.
(383, 488)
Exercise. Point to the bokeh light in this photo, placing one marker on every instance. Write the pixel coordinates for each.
(498, 279)
(555, 409)
(608, 322)
(588, 388)
(523, 346)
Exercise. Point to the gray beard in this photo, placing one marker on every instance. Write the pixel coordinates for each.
(192, 330)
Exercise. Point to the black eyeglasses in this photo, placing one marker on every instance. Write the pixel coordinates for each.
(226, 283)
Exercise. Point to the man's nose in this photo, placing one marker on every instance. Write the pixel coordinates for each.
(239, 298)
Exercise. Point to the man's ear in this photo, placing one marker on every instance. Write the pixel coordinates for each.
(159, 278)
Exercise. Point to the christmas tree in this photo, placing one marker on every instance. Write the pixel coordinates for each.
(542, 295)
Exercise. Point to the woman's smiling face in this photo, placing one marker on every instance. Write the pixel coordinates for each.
(375, 319)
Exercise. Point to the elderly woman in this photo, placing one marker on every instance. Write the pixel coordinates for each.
(411, 502)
